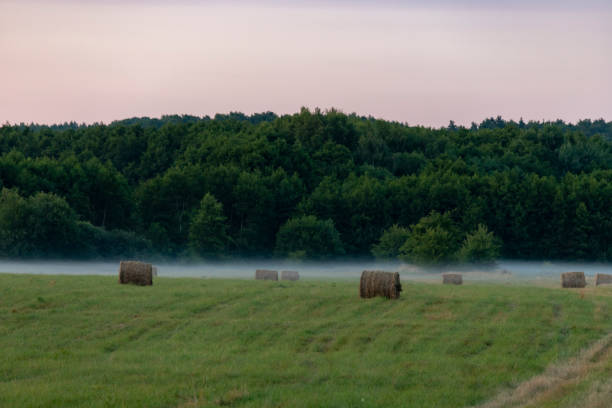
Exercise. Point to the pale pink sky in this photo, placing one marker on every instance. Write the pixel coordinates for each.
(408, 61)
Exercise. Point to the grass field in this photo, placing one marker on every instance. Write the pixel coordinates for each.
(85, 341)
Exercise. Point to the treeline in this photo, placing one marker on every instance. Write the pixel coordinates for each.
(309, 185)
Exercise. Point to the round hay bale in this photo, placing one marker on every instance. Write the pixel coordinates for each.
(452, 279)
(290, 275)
(138, 273)
(266, 274)
(379, 283)
(573, 280)
(603, 279)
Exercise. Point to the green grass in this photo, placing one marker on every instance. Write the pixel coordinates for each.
(590, 386)
(86, 341)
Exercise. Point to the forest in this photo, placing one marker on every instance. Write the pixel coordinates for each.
(311, 185)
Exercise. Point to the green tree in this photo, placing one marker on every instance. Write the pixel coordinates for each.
(392, 239)
(372, 149)
(408, 163)
(310, 237)
(40, 225)
(433, 240)
(207, 232)
(480, 246)
(253, 213)
(13, 232)
(545, 188)
(51, 225)
(170, 200)
(581, 236)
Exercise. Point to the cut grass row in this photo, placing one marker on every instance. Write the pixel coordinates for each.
(581, 381)
(85, 341)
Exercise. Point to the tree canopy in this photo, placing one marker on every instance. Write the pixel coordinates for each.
(238, 185)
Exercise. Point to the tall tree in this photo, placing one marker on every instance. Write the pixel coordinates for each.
(207, 232)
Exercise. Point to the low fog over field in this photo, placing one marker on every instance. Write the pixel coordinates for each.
(504, 271)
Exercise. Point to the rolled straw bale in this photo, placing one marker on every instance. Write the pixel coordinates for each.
(266, 274)
(573, 280)
(290, 275)
(154, 270)
(603, 279)
(452, 279)
(379, 283)
(138, 273)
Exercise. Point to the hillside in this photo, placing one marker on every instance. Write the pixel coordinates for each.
(309, 185)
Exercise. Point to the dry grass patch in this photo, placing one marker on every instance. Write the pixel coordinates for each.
(556, 380)
(232, 396)
(599, 395)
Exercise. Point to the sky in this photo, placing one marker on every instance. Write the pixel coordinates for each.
(414, 61)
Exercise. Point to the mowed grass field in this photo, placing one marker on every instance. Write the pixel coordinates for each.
(86, 341)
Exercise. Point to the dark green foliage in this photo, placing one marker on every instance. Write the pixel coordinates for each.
(434, 239)
(13, 224)
(170, 199)
(44, 225)
(96, 242)
(207, 233)
(390, 242)
(308, 237)
(479, 246)
(544, 189)
(41, 225)
(408, 163)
